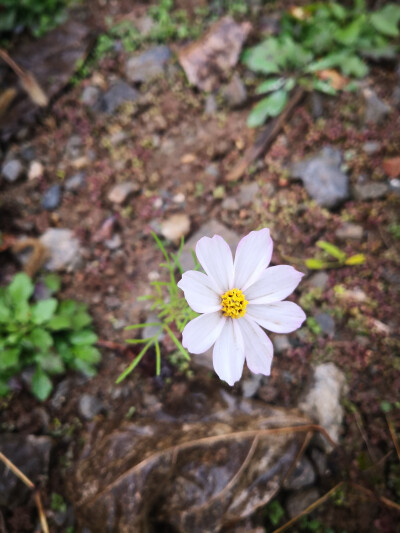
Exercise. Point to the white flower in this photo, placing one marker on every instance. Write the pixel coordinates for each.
(235, 299)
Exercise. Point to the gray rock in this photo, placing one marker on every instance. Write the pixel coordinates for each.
(350, 231)
(235, 92)
(89, 406)
(302, 476)
(326, 323)
(209, 229)
(213, 170)
(210, 106)
(375, 109)
(119, 93)
(175, 227)
(281, 343)
(75, 182)
(120, 192)
(35, 170)
(247, 193)
(320, 462)
(114, 243)
(151, 331)
(322, 177)
(394, 185)
(370, 191)
(230, 204)
(251, 385)
(148, 65)
(73, 148)
(51, 198)
(63, 248)
(90, 95)
(372, 147)
(317, 104)
(300, 500)
(319, 280)
(322, 401)
(396, 96)
(12, 170)
(31, 455)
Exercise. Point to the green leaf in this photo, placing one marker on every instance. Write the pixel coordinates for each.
(67, 307)
(4, 388)
(270, 85)
(262, 58)
(316, 264)
(41, 384)
(21, 288)
(43, 310)
(386, 20)
(135, 362)
(338, 11)
(64, 350)
(53, 282)
(22, 312)
(331, 249)
(84, 367)
(58, 323)
(80, 320)
(271, 106)
(50, 362)
(357, 259)
(323, 87)
(84, 337)
(89, 354)
(290, 84)
(9, 358)
(41, 338)
(329, 61)
(350, 34)
(354, 66)
(5, 312)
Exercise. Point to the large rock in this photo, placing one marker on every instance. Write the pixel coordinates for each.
(322, 177)
(31, 455)
(63, 248)
(148, 65)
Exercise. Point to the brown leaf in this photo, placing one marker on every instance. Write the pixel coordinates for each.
(337, 81)
(392, 167)
(210, 59)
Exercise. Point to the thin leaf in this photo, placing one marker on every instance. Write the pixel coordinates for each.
(134, 363)
(270, 85)
(271, 106)
(176, 342)
(332, 250)
(316, 264)
(142, 325)
(158, 358)
(357, 259)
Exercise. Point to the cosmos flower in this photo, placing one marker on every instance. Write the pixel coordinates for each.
(237, 299)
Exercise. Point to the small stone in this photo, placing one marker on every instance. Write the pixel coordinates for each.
(148, 65)
(74, 146)
(250, 385)
(51, 198)
(118, 137)
(213, 170)
(179, 198)
(375, 109)
(300, 500)
(75, 182)
(319, 280)
(372, 147)
(230, 204)
(317, 104)
(152, 331)
(302, 476)
(247, 194)
(210, 106)
(89, 406)
(281, 343)
(322, 402)
(322, 177)
(120, 192)
(12, 170)
(175, 227)
(326, 323)
(235, 92)
(267, 392)
(396, 96)
(35, 170)
(350, 231)
(119, 93)
(90, 95)
(394, 185)
(63, 248)
(320, 462)
(114, 243)
(370, 191)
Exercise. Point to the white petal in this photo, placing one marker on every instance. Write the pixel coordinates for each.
(253, 255)
(201, 333)
(215, 257)
(228, 354)
(258, 347)
(274, 284)
(200, 293)
(280, 317)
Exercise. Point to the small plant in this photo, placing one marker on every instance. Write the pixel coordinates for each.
(172, 311)
(314, 44)
(333, 257)
(46, 336)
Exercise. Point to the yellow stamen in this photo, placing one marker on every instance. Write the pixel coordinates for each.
(233, 303)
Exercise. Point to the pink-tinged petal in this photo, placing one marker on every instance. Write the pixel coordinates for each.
(258, 347)
(279, 317)
(228, 354)
(274, 284)
(200, 292)
(215, 257)
(253, 255)
(201, 333)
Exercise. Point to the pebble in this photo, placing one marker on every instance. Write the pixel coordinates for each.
(319, 280)
(302, 476)
(213, 170)
(63, 248)
(350, 231)
(148, 65)
(74, 146)
(175, 227)
(370, 191)
(235, 92)
(114, 243)
(247, 194)
(90, 95)
(251, 385)
(75, 182)
(230, 204)
(326, 323)
(35, 170)
(372, 147)
(120, 192)
(281, 343)
(375, 109)
(12, 170)
(300, 500)
(52, 198)
(119, 93)
(89, 406)
(210, 105)
(322, 177)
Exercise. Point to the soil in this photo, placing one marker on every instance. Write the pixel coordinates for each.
(167, 145)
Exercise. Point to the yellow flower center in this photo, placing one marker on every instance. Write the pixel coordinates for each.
(233, 303)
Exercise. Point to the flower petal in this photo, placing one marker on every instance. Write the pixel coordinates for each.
(258, 347)
(228, 354)
(253, 255)
(274, 285)
(201, 333)
(280, 317)
(200, 293)
(215, 257)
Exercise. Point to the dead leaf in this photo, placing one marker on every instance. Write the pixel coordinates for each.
(207, 61)
(392, 167)
(213, 461)
(337, 81)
